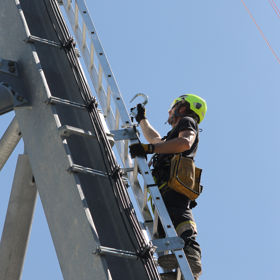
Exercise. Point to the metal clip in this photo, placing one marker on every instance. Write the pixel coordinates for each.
(133, 111)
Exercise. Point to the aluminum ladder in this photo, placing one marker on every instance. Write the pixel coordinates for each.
(123, 130)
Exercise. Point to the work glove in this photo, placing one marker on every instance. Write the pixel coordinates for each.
(140, 150)
(141, 112)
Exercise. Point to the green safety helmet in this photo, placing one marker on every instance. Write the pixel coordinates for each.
(197, 104)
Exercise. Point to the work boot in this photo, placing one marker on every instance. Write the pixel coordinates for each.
(168, 276)
(168, 262)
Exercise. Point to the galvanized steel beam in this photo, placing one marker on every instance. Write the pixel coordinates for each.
(9, 141)
(6, 100)
(18, 221)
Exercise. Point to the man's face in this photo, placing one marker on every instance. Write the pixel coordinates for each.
(172, 118)
(171, 115)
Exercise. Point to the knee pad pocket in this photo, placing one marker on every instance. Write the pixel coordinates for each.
(187, 226)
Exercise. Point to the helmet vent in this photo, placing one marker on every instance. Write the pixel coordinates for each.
(197, 105)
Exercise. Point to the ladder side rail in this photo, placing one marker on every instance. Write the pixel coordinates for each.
(103, 61)
(164, 217)
(155, 193)
(110, 119)
(103, 99)
(138, 192)
(96, 79)
(108, 74)
(91, 68)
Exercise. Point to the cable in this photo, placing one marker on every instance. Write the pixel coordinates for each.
(261, 32)
(275, 8)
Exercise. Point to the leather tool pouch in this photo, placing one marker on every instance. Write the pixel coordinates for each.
(185, 177)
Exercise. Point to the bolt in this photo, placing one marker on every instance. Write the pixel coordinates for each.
(20, 98)
(12, 69)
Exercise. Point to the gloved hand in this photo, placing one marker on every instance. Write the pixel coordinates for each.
(140, 150)
(141, 112)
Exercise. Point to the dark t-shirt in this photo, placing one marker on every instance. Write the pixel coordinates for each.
(161, 162)
(186, 123)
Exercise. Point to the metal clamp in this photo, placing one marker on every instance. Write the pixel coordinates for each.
(169, 243)
(124, 134)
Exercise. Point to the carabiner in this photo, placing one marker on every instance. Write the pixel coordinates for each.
(133, 111)
(143, 95)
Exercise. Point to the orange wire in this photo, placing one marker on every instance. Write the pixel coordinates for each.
(261, 32)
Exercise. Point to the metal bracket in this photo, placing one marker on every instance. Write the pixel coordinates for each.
(86, 170)
(9, 67)
(101, 250)
(169, 243)
(124, 134)
(56, 100)
(67, 130)
(35, 39)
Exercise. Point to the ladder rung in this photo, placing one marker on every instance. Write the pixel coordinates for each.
(57, 100)
(86, 170)
(168, 243)
(126, 170)
(124, 134)
(67, 131)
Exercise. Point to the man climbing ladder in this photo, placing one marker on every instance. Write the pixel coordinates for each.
(185, 113)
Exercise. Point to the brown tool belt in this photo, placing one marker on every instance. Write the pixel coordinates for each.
(185, 177)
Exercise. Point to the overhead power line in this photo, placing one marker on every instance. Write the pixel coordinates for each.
(261, 32)
(275, 8)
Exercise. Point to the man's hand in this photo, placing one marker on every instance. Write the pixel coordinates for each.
(141, 112)
(140, 150)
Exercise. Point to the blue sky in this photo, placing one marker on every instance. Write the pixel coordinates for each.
(213, 49)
